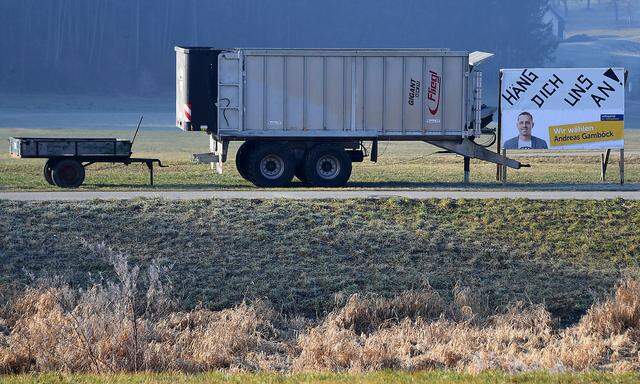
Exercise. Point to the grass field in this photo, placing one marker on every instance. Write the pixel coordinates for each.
(401, 165)
(298, 255)
(351, 286)
(371, 378)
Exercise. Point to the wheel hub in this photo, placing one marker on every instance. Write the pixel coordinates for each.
(328, 167)
(68, 174)
(272, 167)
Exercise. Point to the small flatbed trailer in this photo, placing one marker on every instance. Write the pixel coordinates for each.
(67, 158)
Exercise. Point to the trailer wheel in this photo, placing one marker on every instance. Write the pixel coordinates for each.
(68, 174)
(241, 158)
(270, 165)
(48, 171)
(327, 165)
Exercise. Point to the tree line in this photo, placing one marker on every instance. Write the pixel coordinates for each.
(127, 45)
(618, 7)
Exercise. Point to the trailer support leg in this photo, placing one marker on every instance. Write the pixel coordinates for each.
(467, 170)
(150, 166)
(374, 151)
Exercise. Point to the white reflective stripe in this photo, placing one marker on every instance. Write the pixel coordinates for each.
(187, 113)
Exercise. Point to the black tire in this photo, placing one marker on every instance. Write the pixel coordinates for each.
(48, 172)
(241, 158)
(327, 165)
(68, 174)
(270, 165)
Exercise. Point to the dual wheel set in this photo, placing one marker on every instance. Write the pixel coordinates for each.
(64, 173)
(274, 164)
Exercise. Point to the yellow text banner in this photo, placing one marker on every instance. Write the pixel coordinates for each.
(580, 133)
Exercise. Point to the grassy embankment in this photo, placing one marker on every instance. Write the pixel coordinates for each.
(299, 254)
(439, 284)
(401, 165)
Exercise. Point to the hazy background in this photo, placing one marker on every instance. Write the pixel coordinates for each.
(69, 63)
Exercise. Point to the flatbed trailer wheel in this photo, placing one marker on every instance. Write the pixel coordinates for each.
(68, 173)
(327, 165)
(270, 165)
(48, 172)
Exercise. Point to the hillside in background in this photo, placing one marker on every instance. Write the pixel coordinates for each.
(126, 46)
(116, 57)
(594, 38)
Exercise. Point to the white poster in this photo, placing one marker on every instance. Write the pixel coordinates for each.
(549, 108)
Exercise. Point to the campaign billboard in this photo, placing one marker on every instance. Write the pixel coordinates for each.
(562, 108)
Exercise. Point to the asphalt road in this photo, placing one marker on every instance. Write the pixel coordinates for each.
(320, 194)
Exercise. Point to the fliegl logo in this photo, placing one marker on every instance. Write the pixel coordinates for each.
(433, 93)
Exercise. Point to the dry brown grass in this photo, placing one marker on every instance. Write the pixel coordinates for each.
(127, 326)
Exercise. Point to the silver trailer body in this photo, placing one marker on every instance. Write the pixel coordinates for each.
(417, 93)
(308, 111)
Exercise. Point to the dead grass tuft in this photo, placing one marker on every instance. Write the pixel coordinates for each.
(365, 314)
(112, 327)
(616, 316)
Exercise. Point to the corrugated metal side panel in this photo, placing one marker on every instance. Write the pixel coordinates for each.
(384, 95)
(293, 119)
(453, 95)
(393, 95)
(334, 94)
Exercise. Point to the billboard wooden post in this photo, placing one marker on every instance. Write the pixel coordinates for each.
(503, 168)
(621, 166)
(604, 161)
(499, 133)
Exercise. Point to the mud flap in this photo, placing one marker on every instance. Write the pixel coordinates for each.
(468, 148)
